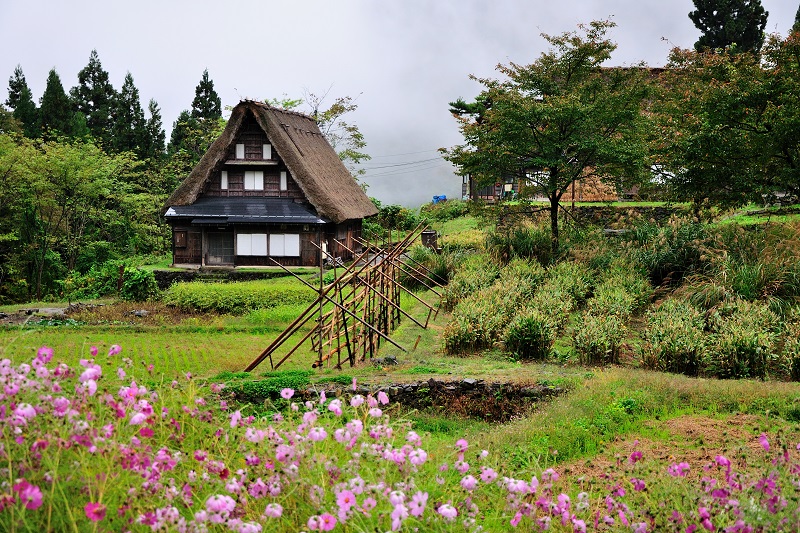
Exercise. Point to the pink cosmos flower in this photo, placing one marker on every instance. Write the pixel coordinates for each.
(327, 522)
(396, 497)
(345, 500)
(356, 401)
(317, 434)
(488, 474)
(114, 350)
(417, 457)
(418, 502)
(31, 495)
(95, 511)
(273, 510)
(462, 445)
(93, 351)
(287, 393)
(678, 469)
(383, 398)
(219, 503)
(137, 419)
(469, 483)
(635, 457)
(45, 354)
(638, 484)
(447, 511)
(764, 441)
(335, 407)
(375, 412)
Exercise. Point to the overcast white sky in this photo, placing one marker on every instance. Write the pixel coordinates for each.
(403, 59)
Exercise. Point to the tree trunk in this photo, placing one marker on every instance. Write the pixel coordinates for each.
(554, 225)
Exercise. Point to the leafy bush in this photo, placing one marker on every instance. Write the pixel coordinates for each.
(598, 337)
(259, 390)
(531, 335)
(425, 263)
(674, 340)
(101, 280)
(557, 303)
(742, 341)
(237, 298)
(444, 211)
(138, 285)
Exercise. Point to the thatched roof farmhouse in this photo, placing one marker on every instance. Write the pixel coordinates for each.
(269, 188)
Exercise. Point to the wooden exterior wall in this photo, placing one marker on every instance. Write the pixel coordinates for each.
(191, 244)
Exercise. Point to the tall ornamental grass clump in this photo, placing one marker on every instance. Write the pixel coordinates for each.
(237, 298)
(790, 357)
(531, 334)
(674, 340)
(520, 242)
(669, 252)
(743, 340)
(597, 338)
(474, 273)
(479, 320)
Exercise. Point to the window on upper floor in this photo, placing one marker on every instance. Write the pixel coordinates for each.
(223, 180)
(284, 181)
(240, 151)
(254, 180)
(266, 150)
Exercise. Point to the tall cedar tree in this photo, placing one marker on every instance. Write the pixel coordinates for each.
(207, 104)
(155, 135)
(728, 22)
(20, 100)
(796, 26)
(560, 119)
(94, 97)
(55, 109)
(129, 130)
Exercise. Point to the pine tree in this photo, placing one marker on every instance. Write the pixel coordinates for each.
(20, 100)
(94, 97)
(129, 133)
(728, 22)
(207, 104)
(55, 109)
(155, 135)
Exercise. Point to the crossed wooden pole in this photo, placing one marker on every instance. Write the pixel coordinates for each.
(358, 310)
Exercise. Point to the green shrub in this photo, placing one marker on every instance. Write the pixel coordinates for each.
(791, 346)
(674, 340)
(101, 280)
(531, 335)
(742, 341)
(424, 263)
(237, 298)
(598, 337)
(444, 211)
(138, 285)
(271, 387)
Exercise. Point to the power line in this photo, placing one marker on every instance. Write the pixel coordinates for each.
(406, 153)
(408, 163)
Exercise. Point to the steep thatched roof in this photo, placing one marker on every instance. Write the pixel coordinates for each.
(312, 162)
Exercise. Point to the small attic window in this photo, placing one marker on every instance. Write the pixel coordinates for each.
(283, 181)
(267, 151)
(240, 151)
(223, 180)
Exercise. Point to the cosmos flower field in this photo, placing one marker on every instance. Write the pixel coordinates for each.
(90, 449)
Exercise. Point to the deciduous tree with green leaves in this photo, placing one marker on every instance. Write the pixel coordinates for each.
(562, 118)
(729, 124)
(729, 22)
